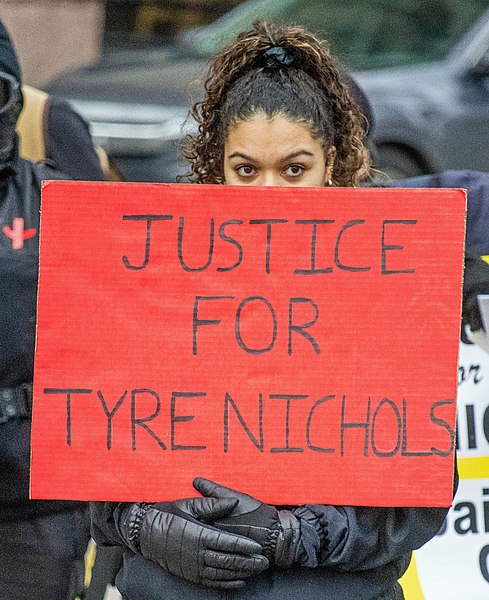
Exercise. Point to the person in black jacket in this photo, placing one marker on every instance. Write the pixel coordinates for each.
(476, 272)
(277, 111)
(42, 543)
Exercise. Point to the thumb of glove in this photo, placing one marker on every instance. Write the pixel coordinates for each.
(215, 490)
(207, 510)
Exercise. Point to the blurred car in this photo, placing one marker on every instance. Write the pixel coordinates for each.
(424, 66)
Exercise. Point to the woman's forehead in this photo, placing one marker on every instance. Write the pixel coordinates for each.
(278, 135)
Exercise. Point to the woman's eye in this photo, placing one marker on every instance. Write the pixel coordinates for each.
(245, 170)
(294, 170)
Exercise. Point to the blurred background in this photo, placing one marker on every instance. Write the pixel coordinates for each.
(73, 33)
(134, 67)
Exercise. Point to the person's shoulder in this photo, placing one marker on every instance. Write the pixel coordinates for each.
(446, 179)
(68, 141)
(52, 132)
(38, 172)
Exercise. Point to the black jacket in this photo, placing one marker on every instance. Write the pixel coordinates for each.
(20, 203)
(359, 552)
(20, 200)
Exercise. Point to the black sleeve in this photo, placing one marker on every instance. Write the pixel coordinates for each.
(68, 142)
(476, 281)
(357, 538)
(8, 57)
(103, 517)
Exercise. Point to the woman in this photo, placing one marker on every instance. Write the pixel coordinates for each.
(277, 111)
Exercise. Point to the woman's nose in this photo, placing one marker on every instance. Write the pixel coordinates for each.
(270, 178)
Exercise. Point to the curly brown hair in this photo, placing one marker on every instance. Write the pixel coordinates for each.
(312, 90)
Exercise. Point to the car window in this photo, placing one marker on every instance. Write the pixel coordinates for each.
(206, 41)
(364, 33)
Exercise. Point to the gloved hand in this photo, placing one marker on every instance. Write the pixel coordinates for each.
(277, 531)
(175, 535)
(476, 281)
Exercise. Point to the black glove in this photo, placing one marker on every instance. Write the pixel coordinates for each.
(277, 531)
(476, 281)
(174, 535)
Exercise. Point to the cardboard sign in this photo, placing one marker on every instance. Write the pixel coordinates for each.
(297, 344)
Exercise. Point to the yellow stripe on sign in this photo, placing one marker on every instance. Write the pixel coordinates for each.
(410, 582)
(473, 468)
(486, 258)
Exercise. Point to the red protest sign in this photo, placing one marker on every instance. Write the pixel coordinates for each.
(297, 344)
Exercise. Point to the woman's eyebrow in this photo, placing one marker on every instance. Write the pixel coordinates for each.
(296, 154)
(240, 155)
(290, 156)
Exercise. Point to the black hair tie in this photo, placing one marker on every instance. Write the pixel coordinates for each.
(277, 58)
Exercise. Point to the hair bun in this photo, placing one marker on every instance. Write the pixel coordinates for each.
(276, 58)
